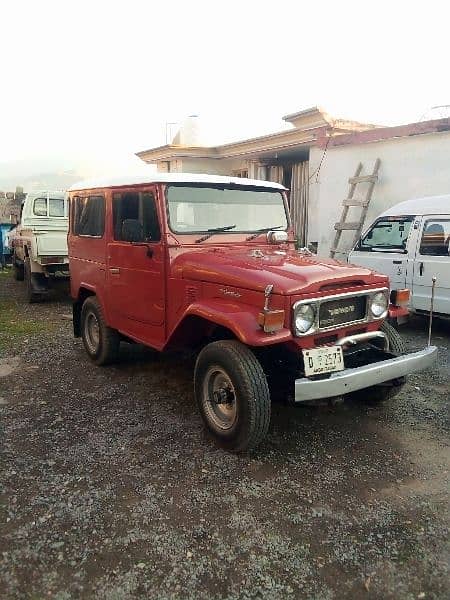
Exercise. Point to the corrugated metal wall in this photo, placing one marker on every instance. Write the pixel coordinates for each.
(299, 194)
(299, 198)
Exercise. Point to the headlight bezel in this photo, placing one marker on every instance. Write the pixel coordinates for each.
(313, 317)
(384, 305)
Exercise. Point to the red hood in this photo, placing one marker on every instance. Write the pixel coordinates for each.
(289, 271)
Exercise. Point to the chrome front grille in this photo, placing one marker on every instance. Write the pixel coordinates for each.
(333, 313)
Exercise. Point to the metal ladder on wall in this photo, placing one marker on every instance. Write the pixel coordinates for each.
(350, 201)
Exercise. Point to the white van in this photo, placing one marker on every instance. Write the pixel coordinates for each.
(410, 243)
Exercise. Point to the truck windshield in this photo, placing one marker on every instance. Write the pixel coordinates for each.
(387, 234)
(202, 209)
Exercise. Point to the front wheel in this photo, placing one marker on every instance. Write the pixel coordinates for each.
(100, 341)
(382, 393)
(232, 395)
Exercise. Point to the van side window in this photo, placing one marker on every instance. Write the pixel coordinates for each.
(135, 218)
(89, 216)
(435, 238)
(387, 234)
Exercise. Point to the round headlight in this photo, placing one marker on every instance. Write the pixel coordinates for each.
(304, 318)
(379, 304)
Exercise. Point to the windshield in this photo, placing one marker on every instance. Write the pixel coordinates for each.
(199, 209)
(387, 234)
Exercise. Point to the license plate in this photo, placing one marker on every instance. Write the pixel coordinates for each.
(323, 360)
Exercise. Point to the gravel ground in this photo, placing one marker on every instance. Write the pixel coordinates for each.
(111, 489)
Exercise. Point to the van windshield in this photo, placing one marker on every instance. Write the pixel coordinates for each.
(389, 233)
(203, 208)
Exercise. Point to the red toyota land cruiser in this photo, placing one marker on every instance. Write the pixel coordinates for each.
(209, 263)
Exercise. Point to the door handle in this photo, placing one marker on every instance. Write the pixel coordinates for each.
(114, 271)
(397, 262)
(421, 269)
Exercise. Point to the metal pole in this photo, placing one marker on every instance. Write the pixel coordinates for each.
(433, 285)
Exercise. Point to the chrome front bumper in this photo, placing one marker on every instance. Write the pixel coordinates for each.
(352, 380)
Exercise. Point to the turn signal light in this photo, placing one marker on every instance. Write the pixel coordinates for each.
(400, 297)
(271, 320)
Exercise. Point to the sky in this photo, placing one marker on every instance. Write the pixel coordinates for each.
(86, 84)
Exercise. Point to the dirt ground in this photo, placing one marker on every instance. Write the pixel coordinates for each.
(111, 489)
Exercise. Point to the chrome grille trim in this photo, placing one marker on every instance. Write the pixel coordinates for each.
(316, 303)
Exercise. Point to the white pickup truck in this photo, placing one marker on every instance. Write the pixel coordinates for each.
(39, 243)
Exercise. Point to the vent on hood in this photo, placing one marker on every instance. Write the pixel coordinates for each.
(339, 285)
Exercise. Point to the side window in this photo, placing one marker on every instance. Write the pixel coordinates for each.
(135, 218)
(387, 234)
(40, 207)
(89, 216)
(435, 238)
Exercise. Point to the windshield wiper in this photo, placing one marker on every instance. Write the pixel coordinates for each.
(214, 230)
(258, 231)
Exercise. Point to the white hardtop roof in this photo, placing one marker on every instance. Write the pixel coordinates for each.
(117, 181)
(429, 205)
(46, 193)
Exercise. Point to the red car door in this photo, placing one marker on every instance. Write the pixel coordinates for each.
(135, 267)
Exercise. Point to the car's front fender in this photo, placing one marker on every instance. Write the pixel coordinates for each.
(240, 319)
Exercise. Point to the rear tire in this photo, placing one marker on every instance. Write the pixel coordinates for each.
(100, 341)
(18, 270)
(31, 295)
(382, 393)
(232, 395)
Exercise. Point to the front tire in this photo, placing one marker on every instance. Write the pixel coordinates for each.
(100, 341)
(232, 395)
(382, 393)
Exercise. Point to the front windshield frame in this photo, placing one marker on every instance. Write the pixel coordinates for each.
(230, 186)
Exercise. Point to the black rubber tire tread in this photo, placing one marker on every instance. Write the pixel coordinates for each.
(31, 296)
(249, 381)
(18, 270)
(109, 338)
(379, 394)
(396, 344)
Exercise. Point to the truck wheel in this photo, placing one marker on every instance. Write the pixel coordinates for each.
(100, 341)
(396, 344)
(31, 295)
(232, 395)
(18, 270)
(379, 393)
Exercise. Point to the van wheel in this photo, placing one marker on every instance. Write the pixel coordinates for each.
(382, 393)
(232, 395)
(100, 341)
(18, 270)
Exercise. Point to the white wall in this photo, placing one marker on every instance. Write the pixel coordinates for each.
(410, 167)
(202, 165)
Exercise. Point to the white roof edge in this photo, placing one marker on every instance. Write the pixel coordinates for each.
(421, 206)
(119, 181)
(57, 193)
